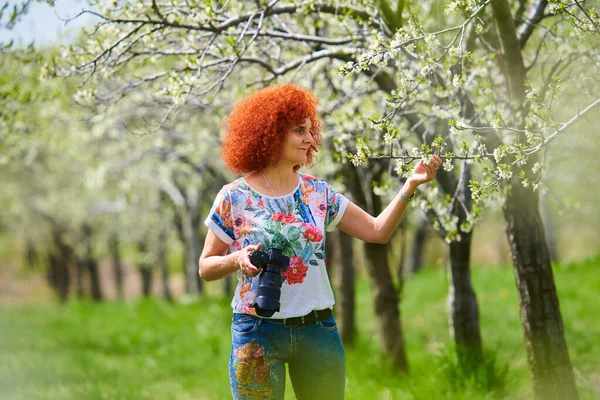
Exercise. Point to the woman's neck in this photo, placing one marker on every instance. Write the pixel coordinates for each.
(280, 181)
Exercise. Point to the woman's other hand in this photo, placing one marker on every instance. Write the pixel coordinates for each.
(243, 260)
(425, 172)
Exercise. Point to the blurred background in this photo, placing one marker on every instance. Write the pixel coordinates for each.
(107, 177)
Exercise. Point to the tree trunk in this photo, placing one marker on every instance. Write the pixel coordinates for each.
(192, 253)
(402, 264)
(340, 269)
(467, 311)
(91, 264)
(386, 305)
(548, 228)
(58, 275)
(463, 311)
(95, 279)
(31, 255)
(187, 221)
(347, 292)
(416, 252)
(115, 253)
(146, 273)
(80, 269)
(188, 229)
(145, 268)
(462, 302)
(162, 263)
(386, 299)
(549, 363)
(59, 259)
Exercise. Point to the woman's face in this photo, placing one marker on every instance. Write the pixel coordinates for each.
(297, 143)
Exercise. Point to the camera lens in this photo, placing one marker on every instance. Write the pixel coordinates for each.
(269, 291)
(273, 263)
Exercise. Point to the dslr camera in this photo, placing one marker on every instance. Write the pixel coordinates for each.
(272, 264)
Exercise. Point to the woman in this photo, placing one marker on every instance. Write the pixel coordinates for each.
(270, 135)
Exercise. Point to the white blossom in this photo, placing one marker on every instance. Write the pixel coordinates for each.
(448, 165)
(387, 138)
(454, 51)
(451, 7)
(504, 171)
(499, 153)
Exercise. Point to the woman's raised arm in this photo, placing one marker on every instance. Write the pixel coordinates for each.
(358, 223)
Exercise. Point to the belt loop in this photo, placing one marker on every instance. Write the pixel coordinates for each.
(260, 321)
(302, 320)
(316, 315)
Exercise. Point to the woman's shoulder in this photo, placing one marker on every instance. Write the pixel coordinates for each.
(310, 183)
(311, 178)
(231, 188)
(319, 183)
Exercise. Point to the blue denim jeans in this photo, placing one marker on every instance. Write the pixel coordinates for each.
(261, 349)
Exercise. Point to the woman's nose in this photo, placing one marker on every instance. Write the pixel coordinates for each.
(309, 138)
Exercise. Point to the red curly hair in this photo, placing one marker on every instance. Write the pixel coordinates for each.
(256, 127)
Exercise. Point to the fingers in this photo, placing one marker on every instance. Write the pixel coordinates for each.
(251, 271)
(435, 162)
(433, 165)
(430, 170)
(430, 167)
(426, 171)
(246, 266)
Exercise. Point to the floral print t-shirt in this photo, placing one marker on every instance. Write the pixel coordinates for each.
(296, 224)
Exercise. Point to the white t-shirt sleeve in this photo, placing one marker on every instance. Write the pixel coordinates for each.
(336, 207)
(219, 220)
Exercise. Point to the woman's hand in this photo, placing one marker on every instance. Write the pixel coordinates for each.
(425, 172)
(243, 260)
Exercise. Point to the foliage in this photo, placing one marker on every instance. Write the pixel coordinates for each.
(449, 75)
(445, 74)
(66, 165)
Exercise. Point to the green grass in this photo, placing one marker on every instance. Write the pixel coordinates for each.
(150, 349)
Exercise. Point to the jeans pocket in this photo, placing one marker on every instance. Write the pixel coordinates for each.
(243, 324)
(329, 323)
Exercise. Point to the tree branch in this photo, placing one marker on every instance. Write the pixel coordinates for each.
(511, 51)
(570, 122)
(234, 21)
(536, 14)
(326, 53)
